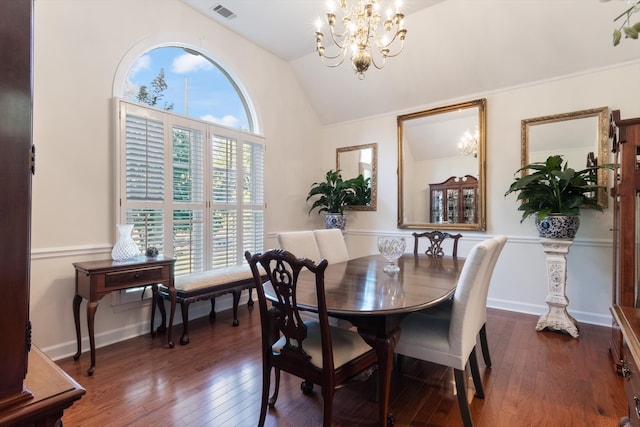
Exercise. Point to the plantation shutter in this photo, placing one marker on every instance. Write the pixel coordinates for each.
(144, 158)
(192, 189)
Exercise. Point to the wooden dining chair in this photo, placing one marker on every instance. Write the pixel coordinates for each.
(451, 341)
(312, 350)
(436, 238)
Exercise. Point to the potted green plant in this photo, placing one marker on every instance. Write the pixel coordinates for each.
(336, 194)
(555, 193)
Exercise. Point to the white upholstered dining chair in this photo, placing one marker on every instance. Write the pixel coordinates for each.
(444, 309)
(331, 244)
(306, 244)
(451, 340)
(300, 243)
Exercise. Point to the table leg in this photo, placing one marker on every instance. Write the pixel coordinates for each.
(383, 337)
(92, 306)
(385, 347)
(77, 300)
(172, 294)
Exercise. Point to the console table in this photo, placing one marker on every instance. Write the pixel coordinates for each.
(95, 279)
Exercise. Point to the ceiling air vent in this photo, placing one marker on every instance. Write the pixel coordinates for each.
(223, 11)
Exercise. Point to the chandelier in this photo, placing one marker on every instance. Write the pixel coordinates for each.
(363, 33)
(468, 145)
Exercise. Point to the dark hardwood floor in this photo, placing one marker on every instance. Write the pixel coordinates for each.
(537, 379)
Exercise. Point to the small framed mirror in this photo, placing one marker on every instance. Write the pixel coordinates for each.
(360, 160)
(441, 167)
(581, 137)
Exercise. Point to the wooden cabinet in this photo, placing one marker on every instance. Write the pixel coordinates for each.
(454, 200)
(628, 319)
(33, 391)
(625, 135)
(15, 197)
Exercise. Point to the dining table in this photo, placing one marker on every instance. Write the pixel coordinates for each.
(375, 302)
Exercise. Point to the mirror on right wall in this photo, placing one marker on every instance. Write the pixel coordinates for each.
(581, 137)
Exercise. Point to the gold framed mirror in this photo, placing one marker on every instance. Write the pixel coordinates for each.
(579, 136)
(360, 160)
(441, 167)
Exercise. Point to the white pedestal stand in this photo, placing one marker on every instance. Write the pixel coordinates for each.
(557, 317)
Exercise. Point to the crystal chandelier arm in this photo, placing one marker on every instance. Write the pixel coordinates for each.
(338, 38)
(361, 28)
(330, 65)
(391, 55)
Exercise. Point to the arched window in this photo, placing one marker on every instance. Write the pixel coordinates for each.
(190, 171)
(186, 82)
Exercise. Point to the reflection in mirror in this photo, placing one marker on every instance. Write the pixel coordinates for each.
(441, 157)
(360, 160)
(581, 137)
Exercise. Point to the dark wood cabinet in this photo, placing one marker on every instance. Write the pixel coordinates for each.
(454, 201)
(33, 391)
(625, 135)
(15, 197)
(628, 319)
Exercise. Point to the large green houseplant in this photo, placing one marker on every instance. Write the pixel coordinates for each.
(335, 194)
(553, 189)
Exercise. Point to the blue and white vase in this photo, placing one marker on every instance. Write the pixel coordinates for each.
(332, 220)
(556, 226)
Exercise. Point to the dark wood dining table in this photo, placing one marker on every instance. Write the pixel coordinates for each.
(376, 302)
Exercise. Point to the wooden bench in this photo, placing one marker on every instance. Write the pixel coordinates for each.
(206, 285)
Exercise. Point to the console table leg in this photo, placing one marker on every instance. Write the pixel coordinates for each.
(91, 315)
(77, 300)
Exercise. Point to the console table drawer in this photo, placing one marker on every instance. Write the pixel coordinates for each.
(129, 278)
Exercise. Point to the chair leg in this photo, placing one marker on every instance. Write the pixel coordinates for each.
(184, 339)
(461, 390)
(276, 388)
(236, 301)
(162, 328)
(399, 360)
(475, 374)
(485, 346)
(327, 398)
(212, 313)
(266, 383)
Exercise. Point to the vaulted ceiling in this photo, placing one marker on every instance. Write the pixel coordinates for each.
(455, 49)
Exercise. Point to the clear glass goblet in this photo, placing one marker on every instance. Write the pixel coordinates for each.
(391, 248)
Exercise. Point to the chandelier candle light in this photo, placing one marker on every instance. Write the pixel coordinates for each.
(363, 33)
(468, 144)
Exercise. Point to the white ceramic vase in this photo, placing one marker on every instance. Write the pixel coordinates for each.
(125, 248)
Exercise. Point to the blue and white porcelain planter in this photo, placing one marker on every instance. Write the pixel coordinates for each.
(332, 220)
(558, 226)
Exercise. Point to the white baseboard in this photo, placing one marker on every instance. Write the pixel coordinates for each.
(539, 310)
(196, 310)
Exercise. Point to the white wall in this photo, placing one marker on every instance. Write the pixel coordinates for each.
(79, 49)
(520, 281)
